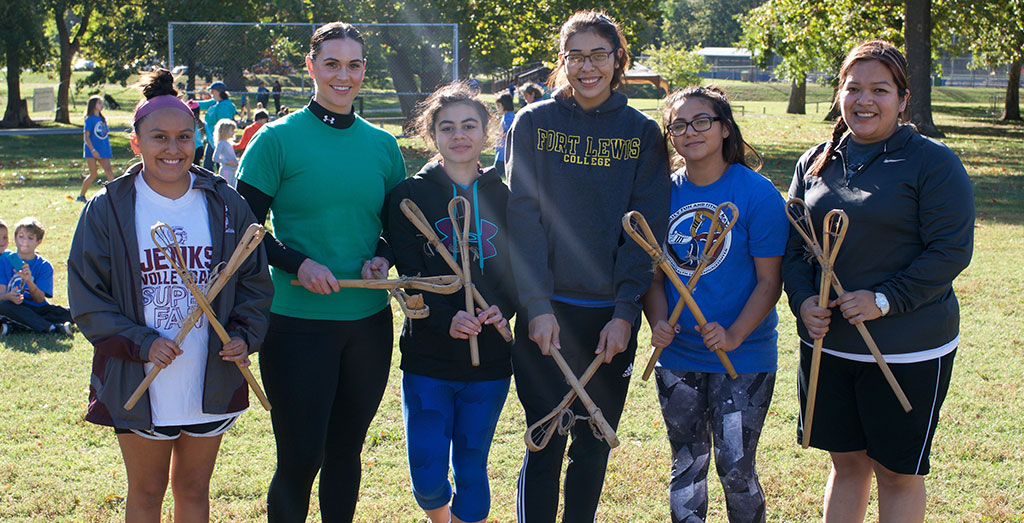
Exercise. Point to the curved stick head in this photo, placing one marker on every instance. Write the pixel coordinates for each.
(719, 230)
(636, 225)
(254, 234)
(412, 211)
(800, 216)
(456, 205)
(166, 240)
(836, 224)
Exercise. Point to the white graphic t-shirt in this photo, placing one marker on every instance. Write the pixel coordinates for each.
(176, 395)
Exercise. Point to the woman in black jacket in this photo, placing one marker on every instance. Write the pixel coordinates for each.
(911, 214)
(451, 407)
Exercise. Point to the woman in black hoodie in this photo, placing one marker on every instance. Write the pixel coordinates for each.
(451, 407)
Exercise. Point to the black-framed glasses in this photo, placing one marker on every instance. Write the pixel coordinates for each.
(678, 128)
(596, 59)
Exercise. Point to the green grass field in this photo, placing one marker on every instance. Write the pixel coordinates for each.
(56, 467)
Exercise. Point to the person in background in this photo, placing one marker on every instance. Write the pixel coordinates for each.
(260, 118)
(224, 151)
(26, 281)
(508, 114)
(200, 133)
(97, 143)
(911, 232)
(277, 97)
(531, 92)
(218, 107)
(262, 95)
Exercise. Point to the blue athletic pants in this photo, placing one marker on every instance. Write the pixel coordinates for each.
(451, 421)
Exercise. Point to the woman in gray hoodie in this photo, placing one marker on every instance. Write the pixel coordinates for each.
(576, 164)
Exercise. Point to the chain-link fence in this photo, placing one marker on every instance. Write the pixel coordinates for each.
(405, 62)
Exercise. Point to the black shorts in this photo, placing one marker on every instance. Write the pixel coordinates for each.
(172, 432)
(856, 409)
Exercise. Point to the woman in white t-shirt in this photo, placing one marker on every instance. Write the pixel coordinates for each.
(129, 302)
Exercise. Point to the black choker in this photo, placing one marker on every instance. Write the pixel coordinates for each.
(335, 120)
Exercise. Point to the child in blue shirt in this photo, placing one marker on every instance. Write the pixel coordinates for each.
(96, 146)
(27, 280)
(737, 293)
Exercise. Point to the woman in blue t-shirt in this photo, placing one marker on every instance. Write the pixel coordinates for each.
(737, 292)
(97, 143)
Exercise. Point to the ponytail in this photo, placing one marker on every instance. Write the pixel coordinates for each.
(824, 157)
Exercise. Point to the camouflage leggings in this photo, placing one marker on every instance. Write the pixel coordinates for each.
(699, 408)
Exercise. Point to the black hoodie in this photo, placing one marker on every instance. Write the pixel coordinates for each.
(427, 348)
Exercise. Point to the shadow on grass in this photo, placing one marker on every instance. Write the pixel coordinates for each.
(35, 343)
(999, 198)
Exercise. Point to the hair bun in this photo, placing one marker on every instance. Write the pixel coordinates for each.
(157, 82)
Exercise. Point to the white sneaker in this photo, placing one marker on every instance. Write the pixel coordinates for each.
(4, 329)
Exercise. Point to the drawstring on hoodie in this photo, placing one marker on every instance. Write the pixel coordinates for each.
(476, 224)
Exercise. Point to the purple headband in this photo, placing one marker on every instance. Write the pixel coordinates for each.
(160, 102)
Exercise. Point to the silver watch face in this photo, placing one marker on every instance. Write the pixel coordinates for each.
(881, 302)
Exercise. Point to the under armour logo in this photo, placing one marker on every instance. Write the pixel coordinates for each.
(329, 119)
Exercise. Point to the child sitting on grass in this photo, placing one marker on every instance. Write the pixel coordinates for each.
(26, 280)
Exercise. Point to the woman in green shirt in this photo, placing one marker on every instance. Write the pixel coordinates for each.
(323, 173)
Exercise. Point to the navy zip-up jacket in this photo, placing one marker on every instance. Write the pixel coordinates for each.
(911, 232)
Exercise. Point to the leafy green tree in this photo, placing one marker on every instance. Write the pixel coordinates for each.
(993, 33)
(24, 46)
(680, 66)
(810, 36)
(71, 18)
(689, 23)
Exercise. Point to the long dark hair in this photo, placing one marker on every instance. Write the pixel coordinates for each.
(91, 105)
(734, 148)
(602, 25)
(881, 51)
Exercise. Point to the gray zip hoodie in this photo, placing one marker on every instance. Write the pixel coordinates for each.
(573, 175)
(105, 294)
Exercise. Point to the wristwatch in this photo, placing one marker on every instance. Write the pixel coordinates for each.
(882, 303)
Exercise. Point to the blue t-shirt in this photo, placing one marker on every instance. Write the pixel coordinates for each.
(726, 284)
(42, 274)
(499, 148)
(98, 136)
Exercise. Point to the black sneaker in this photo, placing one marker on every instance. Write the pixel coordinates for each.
(63, 328)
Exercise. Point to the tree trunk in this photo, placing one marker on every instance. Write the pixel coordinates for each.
(68, 49)
(918, 36)
(16, 113)
(798, 96)
(1011, 105)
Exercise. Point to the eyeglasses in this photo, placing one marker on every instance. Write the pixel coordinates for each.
(596, 59)
(699, 125)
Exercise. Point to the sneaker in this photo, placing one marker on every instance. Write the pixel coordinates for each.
(4, 329)
(63, 328)
(80, 199)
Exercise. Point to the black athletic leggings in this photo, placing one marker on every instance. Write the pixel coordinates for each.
(541, 386)
(325, 380)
